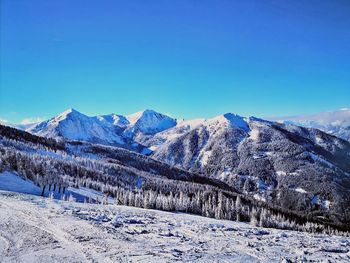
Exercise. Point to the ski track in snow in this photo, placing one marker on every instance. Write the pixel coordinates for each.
(35, 229)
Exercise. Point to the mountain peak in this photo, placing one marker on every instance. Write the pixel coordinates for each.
(69, 110)
(236, 121)
(231, 119)
(149, 111)
(134, 117)
(150, 122)
(67, 113)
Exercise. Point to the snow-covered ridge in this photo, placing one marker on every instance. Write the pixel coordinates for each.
(152, 129)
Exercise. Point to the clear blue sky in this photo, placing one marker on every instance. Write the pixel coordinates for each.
(191, 58)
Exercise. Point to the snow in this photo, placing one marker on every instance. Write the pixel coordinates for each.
(225, 174)
(231, 119)
(74, 125)
(237, 121)
(262, 186)
(205, 157)
(254, 134)
(147, 151)
(116, 120)
(190, 123)
(167, 135)
(149, 122)
(35, 229)
(321, 160)
(324, 203)
(259, 155)
(10, 181)
(134, 117)
(281, 173)
(300, 190)
(259, 198)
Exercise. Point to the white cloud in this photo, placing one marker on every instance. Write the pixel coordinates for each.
(3, 120)
(32, 120)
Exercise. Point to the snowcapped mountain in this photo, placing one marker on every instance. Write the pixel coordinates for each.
(333, 122)
(286, 165)
(73, 125)
(184, 126)
(195, 147)
(113, 129)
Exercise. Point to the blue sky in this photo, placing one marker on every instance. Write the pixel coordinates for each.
(191, 58)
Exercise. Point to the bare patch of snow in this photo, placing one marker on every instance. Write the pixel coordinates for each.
(300, 190)
(205, 157)
(254, 134)
(281, 173)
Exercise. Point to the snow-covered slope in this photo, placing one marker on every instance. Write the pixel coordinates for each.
(148, 122)
(11, 181)
(182, 126)
(115, 119)
(35, 229)
(333, 122)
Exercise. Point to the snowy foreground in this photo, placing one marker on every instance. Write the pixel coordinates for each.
(35, 229)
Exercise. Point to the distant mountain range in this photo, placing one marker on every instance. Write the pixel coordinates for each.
(333, 122)
(276, 162)
(147, 130)
(112, 129)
